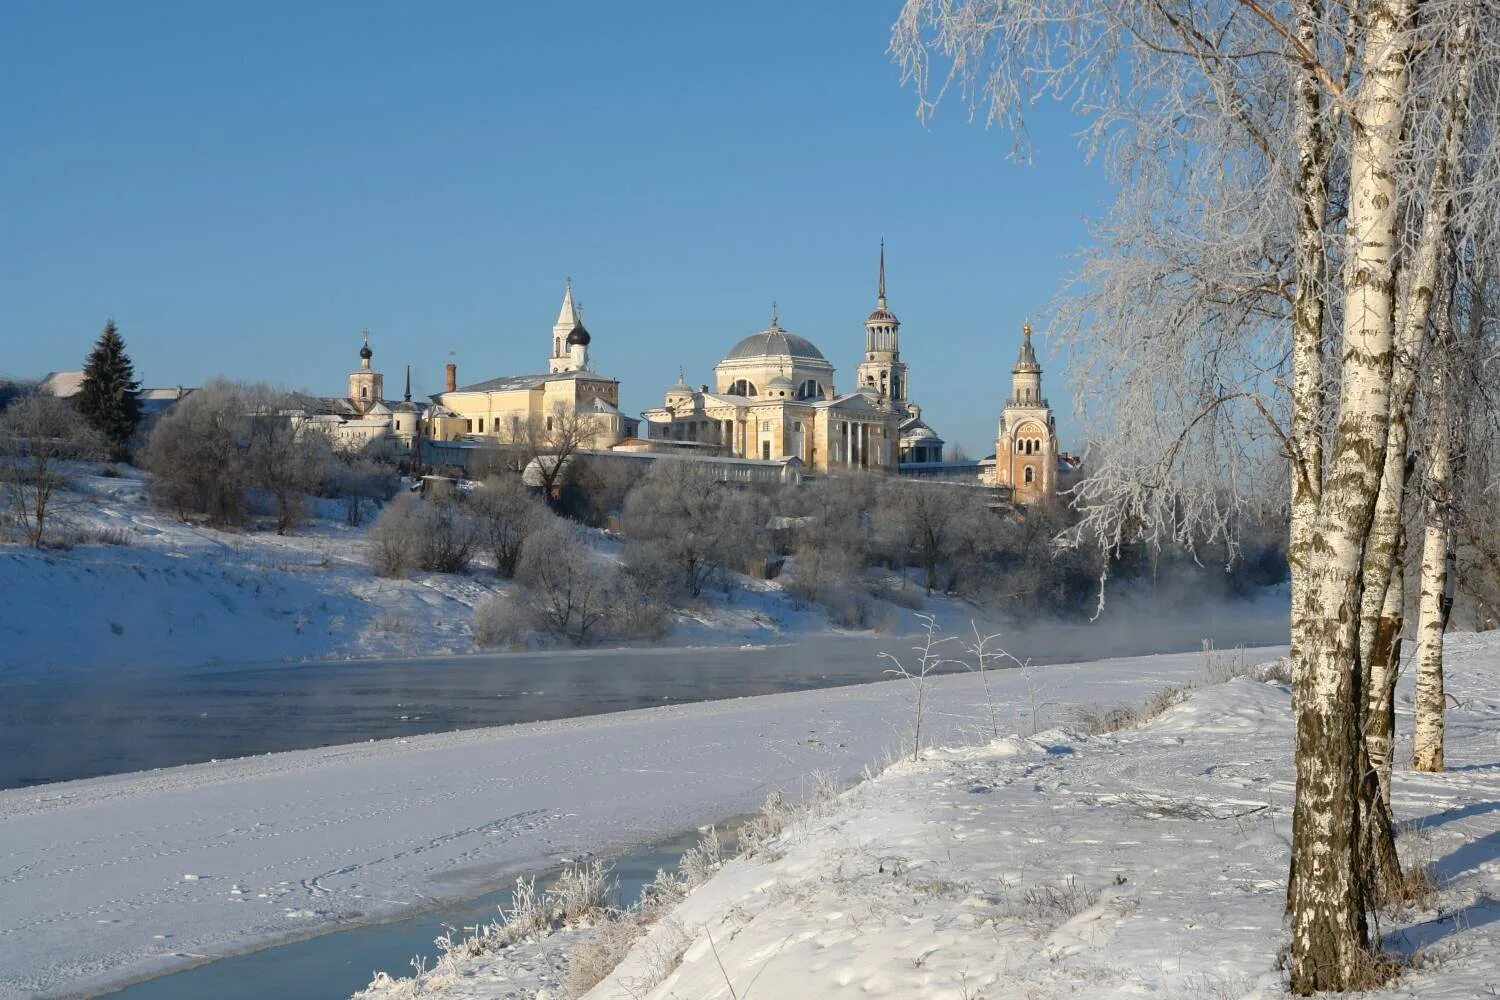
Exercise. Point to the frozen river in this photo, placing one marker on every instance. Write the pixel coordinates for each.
(85, 723)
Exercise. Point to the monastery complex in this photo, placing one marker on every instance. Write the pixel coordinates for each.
(774, 408)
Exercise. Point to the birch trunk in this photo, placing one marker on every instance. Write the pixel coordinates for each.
(1381, 617)
(1427, 750)
(1330, 936)
(1433, 604)
(1385, 659)
(1306, 434)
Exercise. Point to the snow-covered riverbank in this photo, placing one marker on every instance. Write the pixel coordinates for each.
(165, 595)
(112, 879)
(1142, 863)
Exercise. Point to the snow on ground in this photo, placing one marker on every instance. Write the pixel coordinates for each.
(1144, 863)
(180, 596)
(112, 879)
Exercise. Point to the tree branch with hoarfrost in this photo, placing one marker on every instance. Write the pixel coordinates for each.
(1290, 179)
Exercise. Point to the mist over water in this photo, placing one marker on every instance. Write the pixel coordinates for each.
(82, 723)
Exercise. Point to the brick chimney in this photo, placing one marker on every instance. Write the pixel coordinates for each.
(450, 381)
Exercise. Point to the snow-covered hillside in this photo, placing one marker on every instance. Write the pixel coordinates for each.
(176, 595)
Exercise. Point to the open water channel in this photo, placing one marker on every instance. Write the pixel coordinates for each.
(93, 720)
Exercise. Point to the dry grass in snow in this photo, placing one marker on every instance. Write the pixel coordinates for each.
(1142, 859)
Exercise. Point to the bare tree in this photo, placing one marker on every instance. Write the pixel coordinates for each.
(506, 513)
(925, 519)
(568, 586)
(435, 535)
(394, 540)
(547, 444)
(195, 455)
(1457, 487)
(40, 437)
(683, 523)
(287, 457)
(1278, 167)
(363, 484)
(833, 542)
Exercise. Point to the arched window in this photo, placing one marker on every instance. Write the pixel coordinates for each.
(1030, 474)
(742, 387)
(364, 392)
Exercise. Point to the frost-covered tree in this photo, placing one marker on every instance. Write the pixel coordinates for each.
(196, 455)
(109, 396)
(506, 512)
(570, 589)
(1292, 179)
(686, 528)
(40, 439)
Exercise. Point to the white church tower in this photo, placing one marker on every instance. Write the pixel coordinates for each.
(570, 341)
(882, 369)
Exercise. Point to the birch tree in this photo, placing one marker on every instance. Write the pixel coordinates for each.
(1432, 613)
(1459, 442)
(1276, 166)
(1384, 579)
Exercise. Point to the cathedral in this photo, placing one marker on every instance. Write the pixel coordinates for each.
(774, 398)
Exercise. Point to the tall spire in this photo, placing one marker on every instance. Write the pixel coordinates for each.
(567, 316)
(1026, 361)
(407, 397)
(880, 297)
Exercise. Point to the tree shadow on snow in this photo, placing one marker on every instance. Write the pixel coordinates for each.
(1447, 816)
(1411, 940)
(1469, 856)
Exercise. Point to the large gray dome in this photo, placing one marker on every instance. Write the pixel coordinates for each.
(775, 343)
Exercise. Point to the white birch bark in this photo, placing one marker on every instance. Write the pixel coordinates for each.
(1381, 614)
(1427, 749)
(1328, 901)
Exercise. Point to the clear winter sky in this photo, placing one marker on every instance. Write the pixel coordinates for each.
(244, 187)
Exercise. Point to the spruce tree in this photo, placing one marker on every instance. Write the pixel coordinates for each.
(109, 398)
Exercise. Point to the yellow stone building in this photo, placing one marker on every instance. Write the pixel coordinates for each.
(774, 398)
(507, 408)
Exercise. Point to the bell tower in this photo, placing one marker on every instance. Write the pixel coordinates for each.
(882, 369)
(366, 386)
(1026, 444)
(570, 340)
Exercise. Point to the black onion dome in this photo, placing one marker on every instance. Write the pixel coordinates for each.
(366, 353)
(579, 337)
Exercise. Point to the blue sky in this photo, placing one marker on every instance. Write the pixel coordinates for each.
(245, 187)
